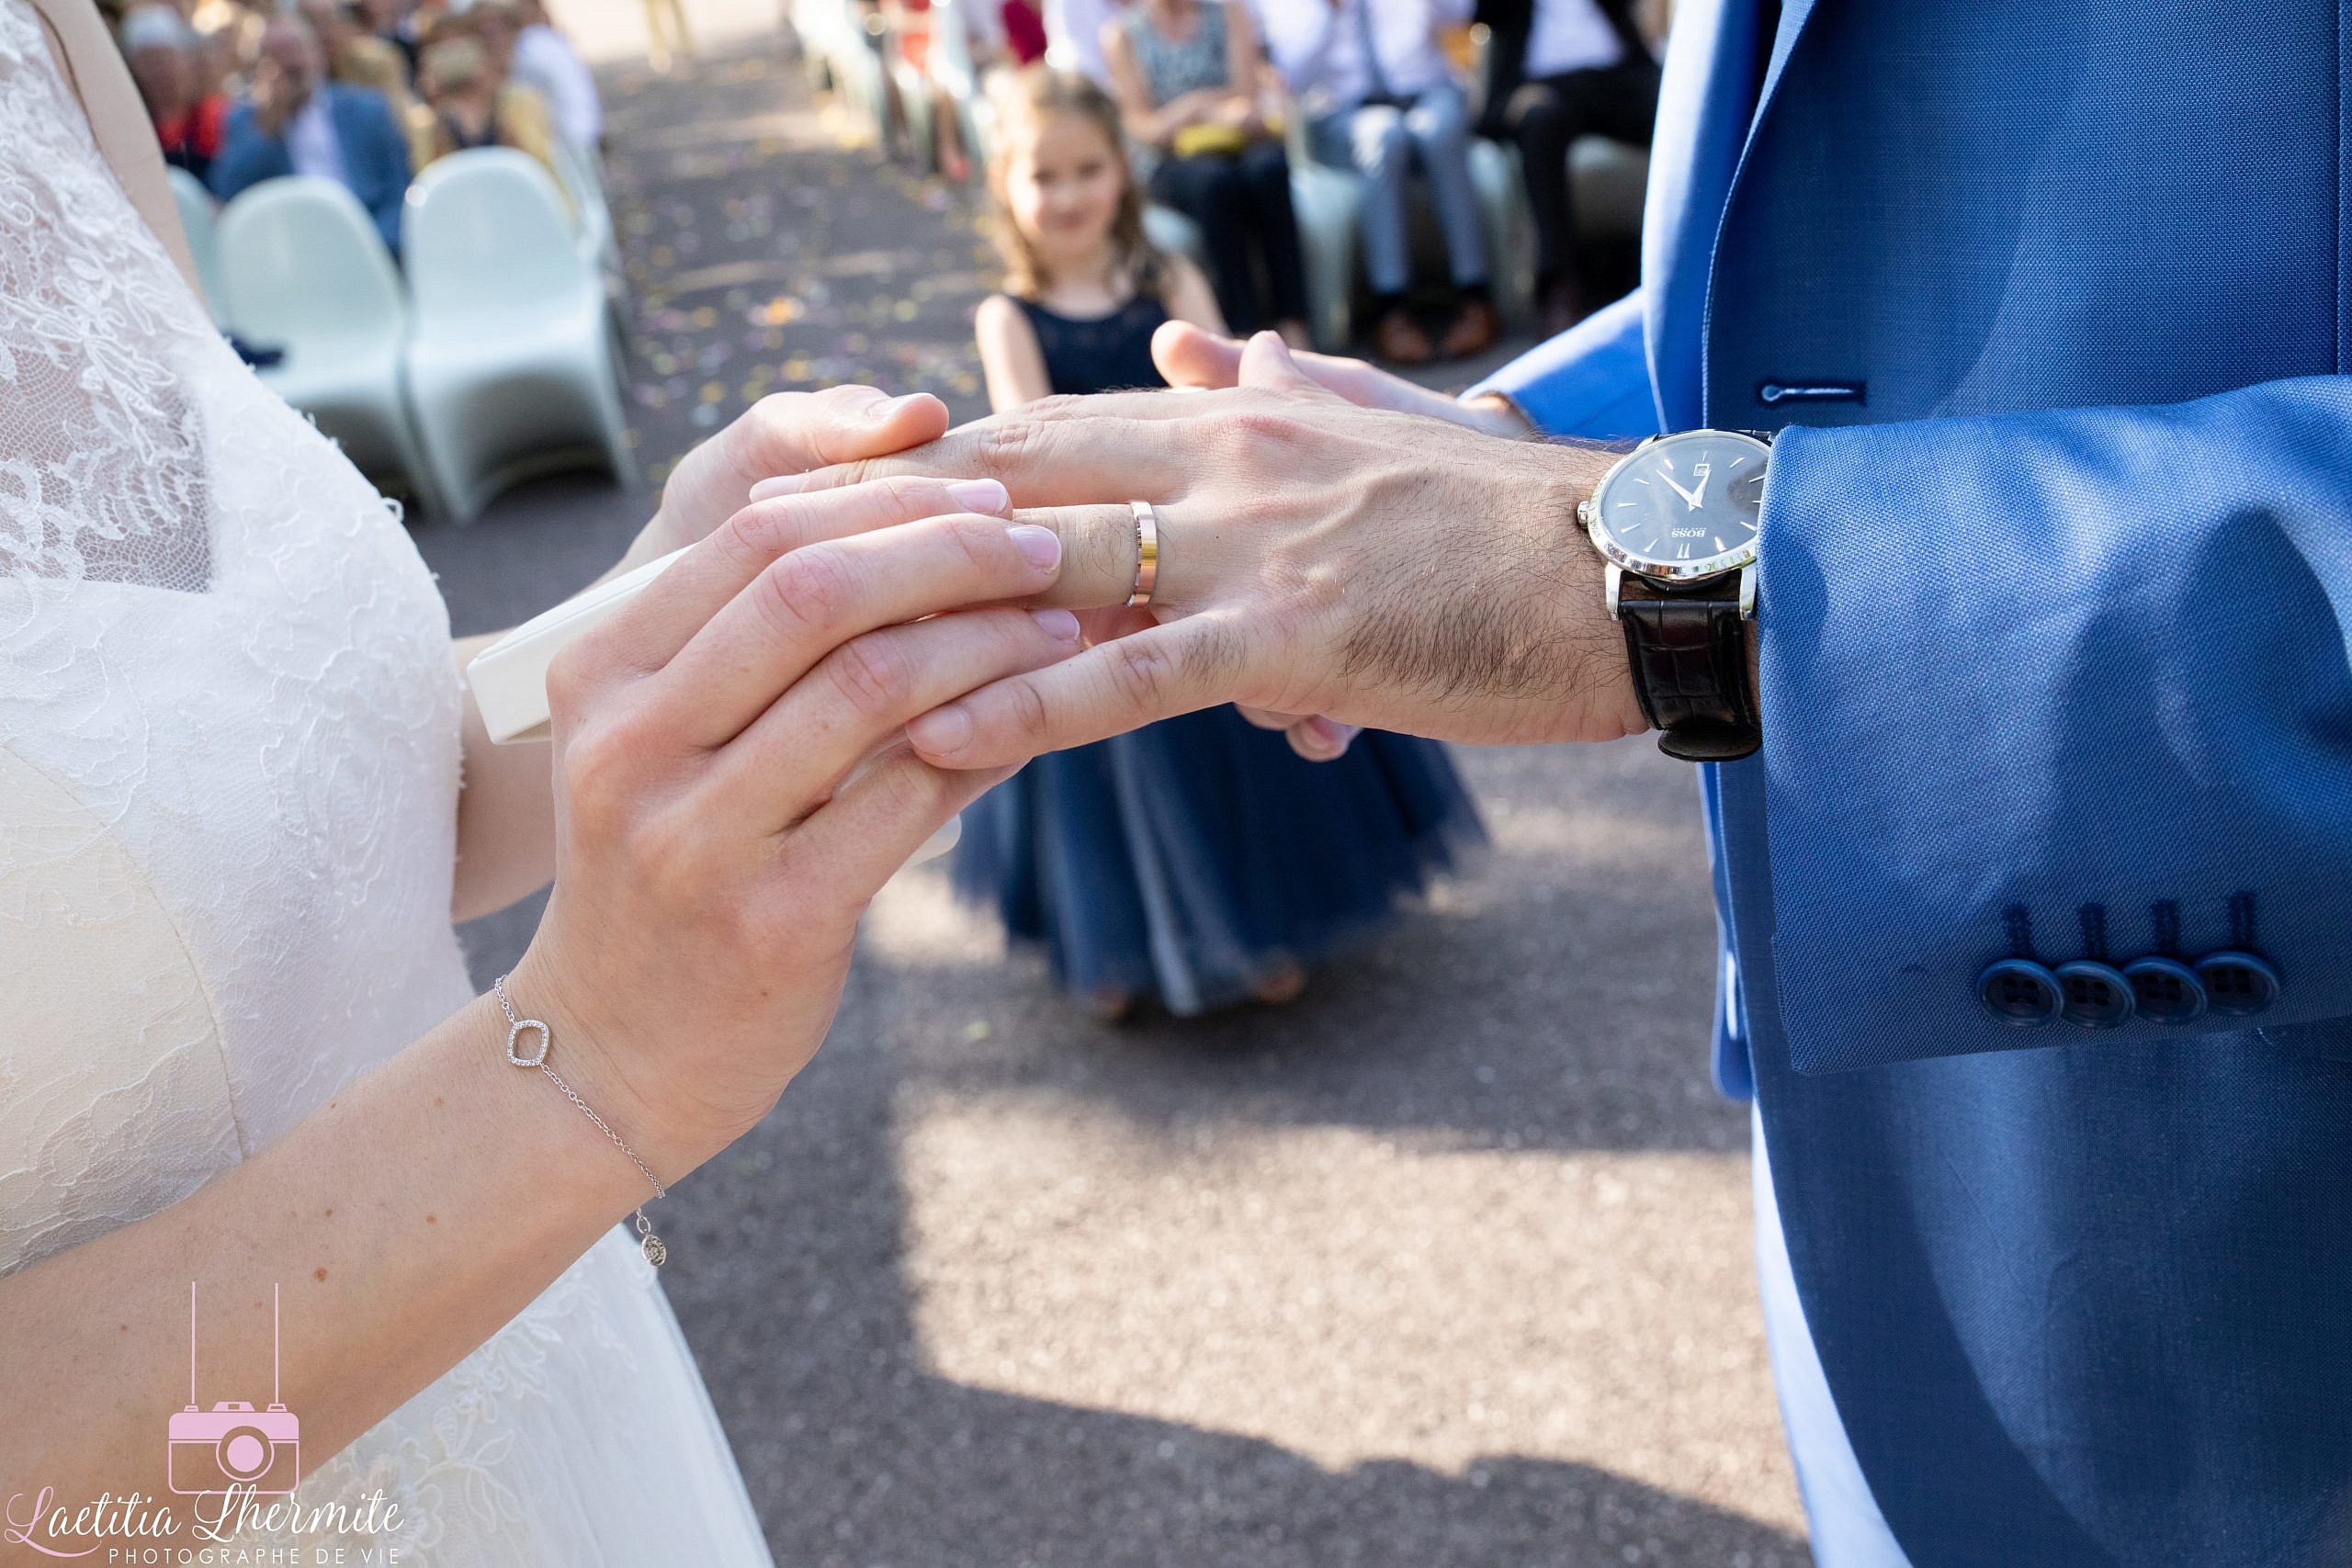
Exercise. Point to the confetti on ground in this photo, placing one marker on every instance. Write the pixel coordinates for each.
(775, 248)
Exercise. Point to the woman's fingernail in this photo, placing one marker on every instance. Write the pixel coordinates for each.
(979, 495)
(1326, 739)
(1059, 624)
(1041, 547)
(889, 406)
(941, 732)
(782, 484)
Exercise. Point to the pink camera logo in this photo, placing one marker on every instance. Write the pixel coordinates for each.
(234, 1445)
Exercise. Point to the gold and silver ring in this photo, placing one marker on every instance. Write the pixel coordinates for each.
(1147, 553)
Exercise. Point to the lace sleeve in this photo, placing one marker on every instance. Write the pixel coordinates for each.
(101, 471)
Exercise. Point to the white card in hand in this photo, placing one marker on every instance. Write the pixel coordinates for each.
(510, 677)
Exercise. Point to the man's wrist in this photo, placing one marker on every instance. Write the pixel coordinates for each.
(1603, 675)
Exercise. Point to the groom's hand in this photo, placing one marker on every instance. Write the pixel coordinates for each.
(1386, 570)
(1207, 361)
(1192, 357)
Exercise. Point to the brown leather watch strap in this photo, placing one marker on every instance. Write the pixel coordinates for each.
(1689, 659)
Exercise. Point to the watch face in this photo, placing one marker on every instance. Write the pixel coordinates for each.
(1683, 506)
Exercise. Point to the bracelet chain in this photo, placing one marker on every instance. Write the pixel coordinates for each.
(656, 1252)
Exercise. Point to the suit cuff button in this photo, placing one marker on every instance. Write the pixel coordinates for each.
(2097, 995)
(2237, 985)
(2166, 989)
(2020, 993)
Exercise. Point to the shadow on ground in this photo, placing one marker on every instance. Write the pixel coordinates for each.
(1556, 999)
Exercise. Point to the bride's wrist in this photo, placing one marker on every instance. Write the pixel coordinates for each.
(585, 1052)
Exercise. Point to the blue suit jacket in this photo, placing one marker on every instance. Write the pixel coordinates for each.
(2056, 613)
(375, 155)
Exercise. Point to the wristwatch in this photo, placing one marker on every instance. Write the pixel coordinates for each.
(1675, 519)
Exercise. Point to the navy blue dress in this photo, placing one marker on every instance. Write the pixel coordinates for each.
(1196, 856)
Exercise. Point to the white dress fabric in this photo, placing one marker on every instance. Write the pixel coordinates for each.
(229, 766)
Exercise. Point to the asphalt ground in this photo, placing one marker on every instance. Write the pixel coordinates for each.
(1449, 1264)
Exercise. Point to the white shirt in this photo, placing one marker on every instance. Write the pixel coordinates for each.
(1570, 34)
(1074, 35)
(1318, 46)
(311, 145)
(545, 58)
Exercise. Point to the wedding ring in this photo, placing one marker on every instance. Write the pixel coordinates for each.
(1147, 553)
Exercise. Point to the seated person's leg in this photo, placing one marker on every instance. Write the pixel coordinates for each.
(1373, 140)
(1440, 127)
(1543, 119)
(1265, 169)
(1222, 206)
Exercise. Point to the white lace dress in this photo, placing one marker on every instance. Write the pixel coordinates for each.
(228, 768)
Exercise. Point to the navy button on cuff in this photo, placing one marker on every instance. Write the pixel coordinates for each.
(2237, 985)
(2166, 989)
(2019, 992)
(2097, 995)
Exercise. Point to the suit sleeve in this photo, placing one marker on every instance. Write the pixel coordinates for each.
(1591, 381)
(2076, 684)
(392, 155)
(245, 159)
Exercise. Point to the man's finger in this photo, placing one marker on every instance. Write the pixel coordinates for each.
(790, 433)
(1321, 740)
(1108, 690)
(1113, 447)
(1267, 361)
(1099, 552)
(1193, 356)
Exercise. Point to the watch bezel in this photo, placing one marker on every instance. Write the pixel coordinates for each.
(1683, 572)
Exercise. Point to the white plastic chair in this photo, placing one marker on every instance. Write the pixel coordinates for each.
(510, 363)
(599, 244)
(200, 221)
(1610, 182)
(305, 272)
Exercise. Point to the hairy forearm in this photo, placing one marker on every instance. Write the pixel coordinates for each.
(506, 802)
(403, 1222)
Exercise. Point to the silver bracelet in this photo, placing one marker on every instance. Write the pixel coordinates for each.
(655, 1252)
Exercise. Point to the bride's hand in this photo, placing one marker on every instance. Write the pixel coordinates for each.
(784, 433)
(713, 857)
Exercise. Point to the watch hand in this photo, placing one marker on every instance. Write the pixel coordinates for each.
(1696, 496)
(1681, 491)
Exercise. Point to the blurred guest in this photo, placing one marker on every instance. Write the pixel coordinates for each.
(465, 107)
(1186, 74)
(356, 57)
(1023, 26)
(394, 21)
(1557, 69)
(1374, 78)
(1200, 860)
(162, 50)
(666, 34)
(1074, 37)
(295, 121)
(545, 59)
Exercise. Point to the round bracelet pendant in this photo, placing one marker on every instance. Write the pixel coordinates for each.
(650, 1244)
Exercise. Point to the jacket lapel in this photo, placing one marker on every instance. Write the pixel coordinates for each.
(1708, 108)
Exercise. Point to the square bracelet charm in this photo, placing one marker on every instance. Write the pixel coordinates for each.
(516, 1030)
